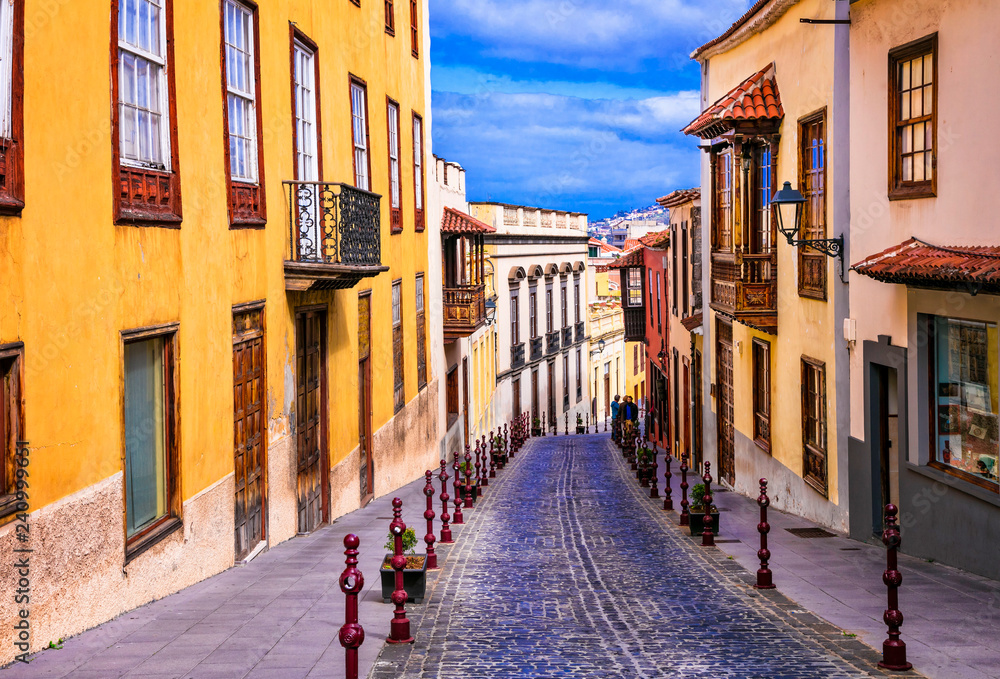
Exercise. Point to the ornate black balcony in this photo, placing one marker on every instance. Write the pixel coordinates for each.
(536, 348)
(567, 337)
(335, 236)
(552, 342)
(517, 355)
(581, 331)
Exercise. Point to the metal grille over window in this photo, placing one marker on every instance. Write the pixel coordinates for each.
(142, 86)
(242, 92)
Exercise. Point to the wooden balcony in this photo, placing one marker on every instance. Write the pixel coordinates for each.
(745, 288)
(635, 324)
(581, 331)
(335, 236)
(464, 310)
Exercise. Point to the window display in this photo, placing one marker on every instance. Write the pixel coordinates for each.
(965, 372)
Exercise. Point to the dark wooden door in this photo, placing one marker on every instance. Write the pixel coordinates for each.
(725, 414)
(686, 408)
(249, 442)
(311, 418)
(366, 472)
(607, 394)
(552, 397)
(534, 396)
(516, 393)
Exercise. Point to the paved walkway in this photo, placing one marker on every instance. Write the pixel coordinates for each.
(572, 573)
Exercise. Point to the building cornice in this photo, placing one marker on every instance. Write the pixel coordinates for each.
(762, 15)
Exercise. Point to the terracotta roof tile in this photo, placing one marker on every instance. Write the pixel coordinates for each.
(457, 222)
(679, 197)
(756, 7)
(633, 258)
(657, 239)
(756, 98)
(973, 269)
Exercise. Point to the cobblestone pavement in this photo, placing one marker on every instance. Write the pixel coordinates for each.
(569, 570)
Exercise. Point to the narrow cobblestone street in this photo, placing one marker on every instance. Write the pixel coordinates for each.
(569, 571)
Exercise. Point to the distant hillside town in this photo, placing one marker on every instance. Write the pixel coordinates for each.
(628, 225)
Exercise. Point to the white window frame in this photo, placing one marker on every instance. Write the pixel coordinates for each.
(247, 95)
(6, 69)
(306, 114)
(418, 162)
(142, 56)
(359, 130)
(392, 113)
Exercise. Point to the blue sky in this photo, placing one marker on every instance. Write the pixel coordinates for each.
(571, 104)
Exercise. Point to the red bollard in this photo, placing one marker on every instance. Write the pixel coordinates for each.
(566, 430)
(477, 474)
(493, 455)
(893, 648)
(511, 443)
(457, 519)
(764, 580)
(399, 628)
(668, 500)
(446, 538)
(469, 504)
(543, 423)
(605, 424)
(685, 517)
(651, 474)
(484, 475)
(432, 557)
(352, 634)
(707, 536)
(586, 428)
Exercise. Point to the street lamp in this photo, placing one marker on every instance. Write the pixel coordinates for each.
(599, 352)
(788, 198)
(491, 311)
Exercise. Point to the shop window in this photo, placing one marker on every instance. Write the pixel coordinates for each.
(964, 370)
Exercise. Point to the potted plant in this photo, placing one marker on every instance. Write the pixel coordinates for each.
(697, 511)
(579, 424)
(414, 575)
(498, 450)
(536, 427)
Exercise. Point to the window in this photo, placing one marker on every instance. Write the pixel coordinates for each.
(674, 255)
(421, 334)
(515, 317)
(533, 311)
(414, 29)
(762, 190)
(548, 307)
(634, 298)
(11, 106)
(151, 474)
(565, 372)
(398, 392)
(762, 393)
(659, 313)
(305, 107)
(576, 299)
(418, 172)
(451, 393)
(913, 116)
(11, 425)
(565, 303)
(652, 311)
(685, 277)
(390, 18)
(146, 183)
(814, 424)
(635, 359)
(359, 132)
(579, 376)
(964, 366)
(392, 118)
(812, 171)
(722, 204)
(241, 112)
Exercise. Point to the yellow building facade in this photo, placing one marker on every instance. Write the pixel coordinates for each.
(203, 357)
(775, 378)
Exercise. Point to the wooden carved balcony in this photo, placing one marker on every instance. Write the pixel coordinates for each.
(464, 310)
(552, 342)
(335, 236)
(517, 355)
(536, 348)
(635, 324)
(745, 288)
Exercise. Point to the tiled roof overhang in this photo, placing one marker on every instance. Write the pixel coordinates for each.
(971, 269)
(458, 223)
(633, 258)
(679, 197)
(754, 105)
(692, 322)
(659, 239)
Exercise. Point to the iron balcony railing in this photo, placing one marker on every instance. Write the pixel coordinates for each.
(567, 337)
(552, 341)
(334, 223)
(536, 348)
(517, 355)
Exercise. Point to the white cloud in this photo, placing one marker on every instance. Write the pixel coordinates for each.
(594, 156)
(587, 33)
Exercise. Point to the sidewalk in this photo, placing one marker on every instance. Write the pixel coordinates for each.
(951, 626)
(278, 616)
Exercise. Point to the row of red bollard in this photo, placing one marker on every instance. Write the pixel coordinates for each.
(893, 648)
(491, 454)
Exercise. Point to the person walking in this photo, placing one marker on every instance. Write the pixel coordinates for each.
(615, 421)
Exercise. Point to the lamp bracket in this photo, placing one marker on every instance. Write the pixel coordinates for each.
(831, 247)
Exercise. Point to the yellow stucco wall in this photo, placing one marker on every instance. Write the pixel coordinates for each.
(804, 70)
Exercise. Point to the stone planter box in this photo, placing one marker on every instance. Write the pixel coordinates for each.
(579, 429)
(697, 522)
(414, 581)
